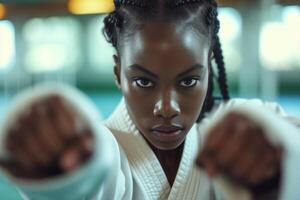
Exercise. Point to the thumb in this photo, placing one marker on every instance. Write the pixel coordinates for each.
(76, 154)
(70, 159)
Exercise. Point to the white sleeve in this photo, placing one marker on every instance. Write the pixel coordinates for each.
(99, 178)
(294, 120)
(279, 131)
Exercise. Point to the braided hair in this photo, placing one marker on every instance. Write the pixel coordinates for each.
(133, 13)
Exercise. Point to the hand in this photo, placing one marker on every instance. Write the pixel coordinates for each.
(237, 148)
(46, 141)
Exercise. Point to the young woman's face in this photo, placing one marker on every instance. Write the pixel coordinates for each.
(163, 75)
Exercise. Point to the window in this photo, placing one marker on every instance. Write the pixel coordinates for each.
(280, 39)
(52, 44)
(100, 50)
(7, 45)
(230, 34)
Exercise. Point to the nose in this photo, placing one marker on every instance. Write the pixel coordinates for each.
(167, 107)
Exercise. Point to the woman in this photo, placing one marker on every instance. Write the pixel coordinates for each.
(55, 148)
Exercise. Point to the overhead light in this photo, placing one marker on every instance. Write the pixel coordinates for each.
(2, 11)
(81, 7)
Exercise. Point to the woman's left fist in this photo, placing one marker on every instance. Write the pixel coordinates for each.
(237, 147)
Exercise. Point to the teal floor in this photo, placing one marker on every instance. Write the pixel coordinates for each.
(8, 191)
(106, 103)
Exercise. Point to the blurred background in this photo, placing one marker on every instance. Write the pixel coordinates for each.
(61, 40)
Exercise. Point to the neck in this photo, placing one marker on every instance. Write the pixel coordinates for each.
(169, 160)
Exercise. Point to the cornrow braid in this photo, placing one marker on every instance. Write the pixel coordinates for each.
(212, 18)
(178, 3)
(140, 4)
(111, 23)
(222, 78)
(114, 21)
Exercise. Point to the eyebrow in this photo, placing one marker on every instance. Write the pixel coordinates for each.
(142, 69)
(192, 68)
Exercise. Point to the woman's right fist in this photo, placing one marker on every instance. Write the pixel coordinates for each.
(47, 140)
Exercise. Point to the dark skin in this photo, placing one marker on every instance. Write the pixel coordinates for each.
(163, 77)
(162, 71)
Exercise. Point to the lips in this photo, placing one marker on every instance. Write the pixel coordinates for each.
(167, 133)
(167, 129)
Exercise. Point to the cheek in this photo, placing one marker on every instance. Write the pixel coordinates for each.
(134, 94)
(192, 102)
(139, 103)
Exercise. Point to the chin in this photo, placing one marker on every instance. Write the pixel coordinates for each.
(167, 146)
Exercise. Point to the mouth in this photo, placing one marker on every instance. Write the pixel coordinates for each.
(167, 129)
(166, 133)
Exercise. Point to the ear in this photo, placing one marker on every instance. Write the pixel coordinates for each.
(117, 71)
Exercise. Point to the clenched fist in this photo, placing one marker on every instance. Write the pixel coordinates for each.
(47, 140)
(237, 148)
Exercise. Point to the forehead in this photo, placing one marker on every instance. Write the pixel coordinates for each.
(161, 44)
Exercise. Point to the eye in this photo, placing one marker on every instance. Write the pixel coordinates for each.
(189, 82)
(144, 83)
